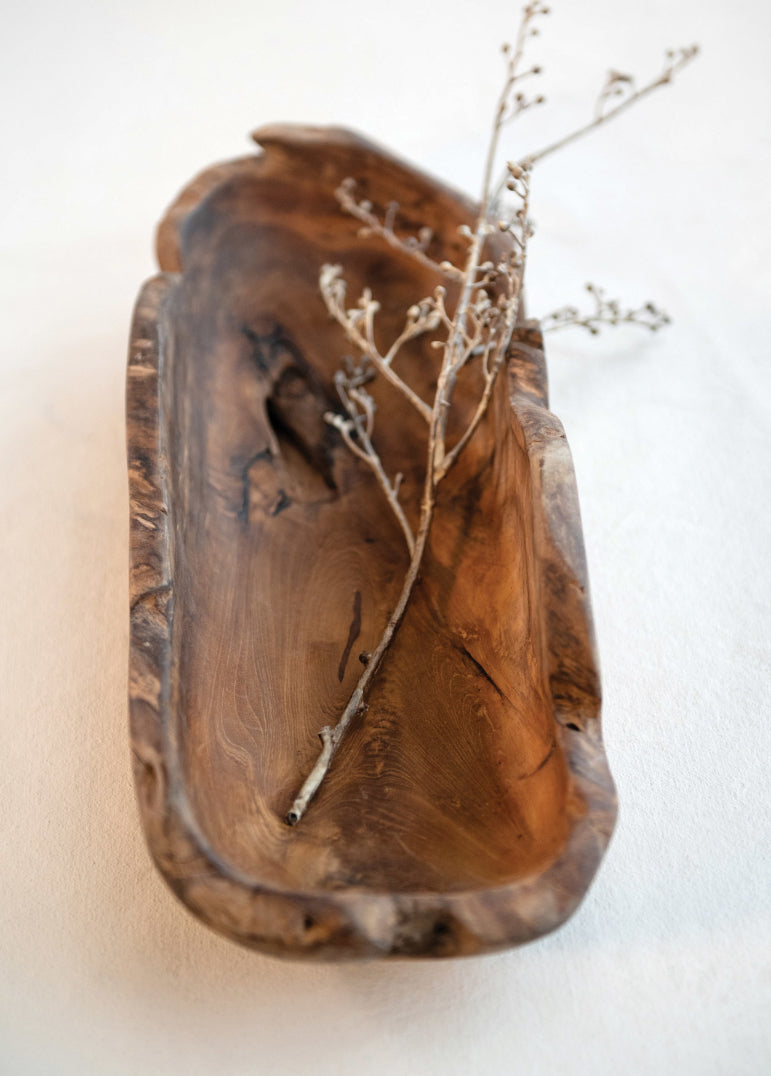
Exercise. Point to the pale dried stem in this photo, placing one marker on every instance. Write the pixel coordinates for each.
(363, 212)
(331, 737)
(457, 350)
(372, 459)
(477, 327)
(366, 345)
(456, 354)
(684, 56)
(606, 312)
(501, 347)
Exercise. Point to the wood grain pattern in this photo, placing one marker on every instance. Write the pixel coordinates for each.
(470, 807)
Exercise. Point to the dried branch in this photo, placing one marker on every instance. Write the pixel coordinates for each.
(332, 288)
(615, 85)
(500, 320)
(479, 328)
(606, 312)
(414, 245)
(356, 431)
(482, 323)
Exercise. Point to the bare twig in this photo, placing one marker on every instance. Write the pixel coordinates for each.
(479, 324)
(499, 336)
(356, 431)
(414, 245)
(617, 84)
(606, 312)
(479, 327)
(358, 326)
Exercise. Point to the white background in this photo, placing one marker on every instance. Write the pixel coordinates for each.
(107, 110)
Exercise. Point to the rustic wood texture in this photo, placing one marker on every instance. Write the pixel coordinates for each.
(469, 808)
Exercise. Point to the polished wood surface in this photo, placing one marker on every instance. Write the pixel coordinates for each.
(469, 807)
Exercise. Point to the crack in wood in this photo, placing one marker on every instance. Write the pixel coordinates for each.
(541, 764)
(479, 667)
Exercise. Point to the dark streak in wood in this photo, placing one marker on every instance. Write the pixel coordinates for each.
(353, 634)
(268, 347)
(477, 665)
(283, 502)
(263, 454)
(549, 754)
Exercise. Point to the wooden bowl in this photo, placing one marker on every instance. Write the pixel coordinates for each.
(469, 808)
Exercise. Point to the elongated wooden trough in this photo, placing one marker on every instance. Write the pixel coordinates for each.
(469, 808)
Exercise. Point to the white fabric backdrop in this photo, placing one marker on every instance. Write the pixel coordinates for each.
(107, 110)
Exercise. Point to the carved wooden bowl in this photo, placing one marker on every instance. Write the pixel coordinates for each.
(469, 808)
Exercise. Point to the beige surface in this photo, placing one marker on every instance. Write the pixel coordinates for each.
(107, 109)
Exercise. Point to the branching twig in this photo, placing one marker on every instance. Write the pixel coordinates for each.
(617, 84)
(479, 327)
(606, 312)
(358, 325)
(356, 431)
(414, 245)
(482, 322)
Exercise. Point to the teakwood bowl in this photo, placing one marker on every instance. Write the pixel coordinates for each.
(468, 809)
